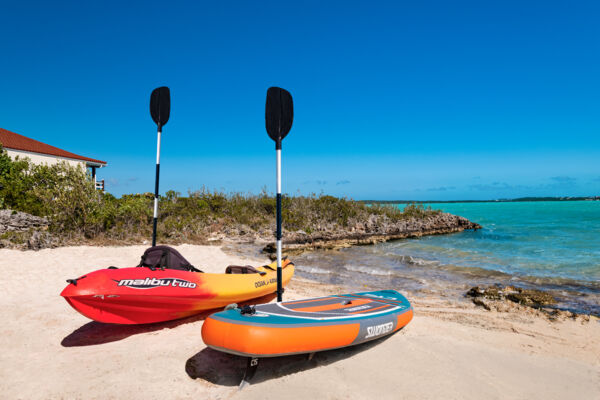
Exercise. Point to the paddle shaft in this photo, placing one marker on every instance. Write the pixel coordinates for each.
(278, 237)
(156, 187)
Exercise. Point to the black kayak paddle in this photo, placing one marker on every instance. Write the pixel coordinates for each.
(279, 115)
(160, 108)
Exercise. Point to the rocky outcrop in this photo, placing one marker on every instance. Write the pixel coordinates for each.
(377, 228)
(510, 299)
(19, 230)
(16, 221)
(527, 297)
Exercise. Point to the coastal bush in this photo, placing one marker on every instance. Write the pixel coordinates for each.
(16, 184)
(62, 192)
(417, 211)
(69, 199)
(204, 213)
(66, 196)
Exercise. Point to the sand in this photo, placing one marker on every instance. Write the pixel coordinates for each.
(451, 349)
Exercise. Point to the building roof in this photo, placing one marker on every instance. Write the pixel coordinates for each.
(14, 141)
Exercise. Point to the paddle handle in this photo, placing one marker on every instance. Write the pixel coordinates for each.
(154, 223)
(278, 237)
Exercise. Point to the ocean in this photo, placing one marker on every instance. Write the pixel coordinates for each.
(553, 245)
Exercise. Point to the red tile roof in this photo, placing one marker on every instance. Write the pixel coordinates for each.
(14, 141)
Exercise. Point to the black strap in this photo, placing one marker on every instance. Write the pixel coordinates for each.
(248, 310)
(273, 269)
(164, 260)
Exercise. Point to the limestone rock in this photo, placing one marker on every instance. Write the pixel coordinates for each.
(24, 231)
(377, 228)
(16, 221)
(527, 297)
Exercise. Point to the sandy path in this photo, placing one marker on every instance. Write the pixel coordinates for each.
(448, 351)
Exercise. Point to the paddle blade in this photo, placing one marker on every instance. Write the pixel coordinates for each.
(279, 113)
(160, 105)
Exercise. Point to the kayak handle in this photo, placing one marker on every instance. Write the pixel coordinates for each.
(74, 281)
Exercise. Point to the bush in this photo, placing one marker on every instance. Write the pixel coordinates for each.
(16, 185)
(62, 192)
(66, 196)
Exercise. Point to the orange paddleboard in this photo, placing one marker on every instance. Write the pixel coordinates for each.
(307, 326)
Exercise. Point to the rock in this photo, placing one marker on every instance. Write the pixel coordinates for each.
(16, 221)
(491, 292)
(531, 297)
(24, 231)
(528, 297)
(377, 228)
(481, 302)
(475, 291)
(40, 240)
(243, 229)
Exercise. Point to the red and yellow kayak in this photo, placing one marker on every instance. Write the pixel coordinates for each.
(142, 295)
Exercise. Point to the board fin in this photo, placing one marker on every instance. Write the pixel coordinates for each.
(251, 368)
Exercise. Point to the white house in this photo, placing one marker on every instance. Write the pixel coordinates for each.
(42, 153)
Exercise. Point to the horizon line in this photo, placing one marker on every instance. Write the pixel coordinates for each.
(517, 199)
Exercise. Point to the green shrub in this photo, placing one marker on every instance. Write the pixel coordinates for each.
(66, 196)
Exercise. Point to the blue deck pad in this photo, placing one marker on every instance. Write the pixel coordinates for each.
(382, 307)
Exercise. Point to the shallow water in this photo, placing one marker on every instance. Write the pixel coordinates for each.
(547, 245)
(547, 239)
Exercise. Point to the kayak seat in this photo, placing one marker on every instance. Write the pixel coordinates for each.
(243, 269)
(165, 257)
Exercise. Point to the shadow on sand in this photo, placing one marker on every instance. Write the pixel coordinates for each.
(228, 370)
(94, 333)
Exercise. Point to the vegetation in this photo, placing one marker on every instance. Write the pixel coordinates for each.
(76, 211)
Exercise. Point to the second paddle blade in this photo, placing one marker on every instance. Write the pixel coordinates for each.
(160, 105)
(279, 113)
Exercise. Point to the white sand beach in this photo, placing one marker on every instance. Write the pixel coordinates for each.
(451, 350)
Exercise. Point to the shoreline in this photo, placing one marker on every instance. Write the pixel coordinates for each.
(373, 267)
(451, 349)
(297, 243)
(327, 237)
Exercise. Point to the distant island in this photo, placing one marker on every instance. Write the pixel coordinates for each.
(565, 198)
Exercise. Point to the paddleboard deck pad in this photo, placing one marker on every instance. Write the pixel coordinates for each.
(307, 326)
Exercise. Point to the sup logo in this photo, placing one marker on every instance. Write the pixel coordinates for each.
(150, 283)
(378, 330)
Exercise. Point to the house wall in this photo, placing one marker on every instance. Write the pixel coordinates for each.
(38, 158)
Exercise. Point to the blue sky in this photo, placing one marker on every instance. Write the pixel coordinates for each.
(398, 100)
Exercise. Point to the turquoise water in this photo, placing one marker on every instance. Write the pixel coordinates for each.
(551, 246)
(545, 239)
